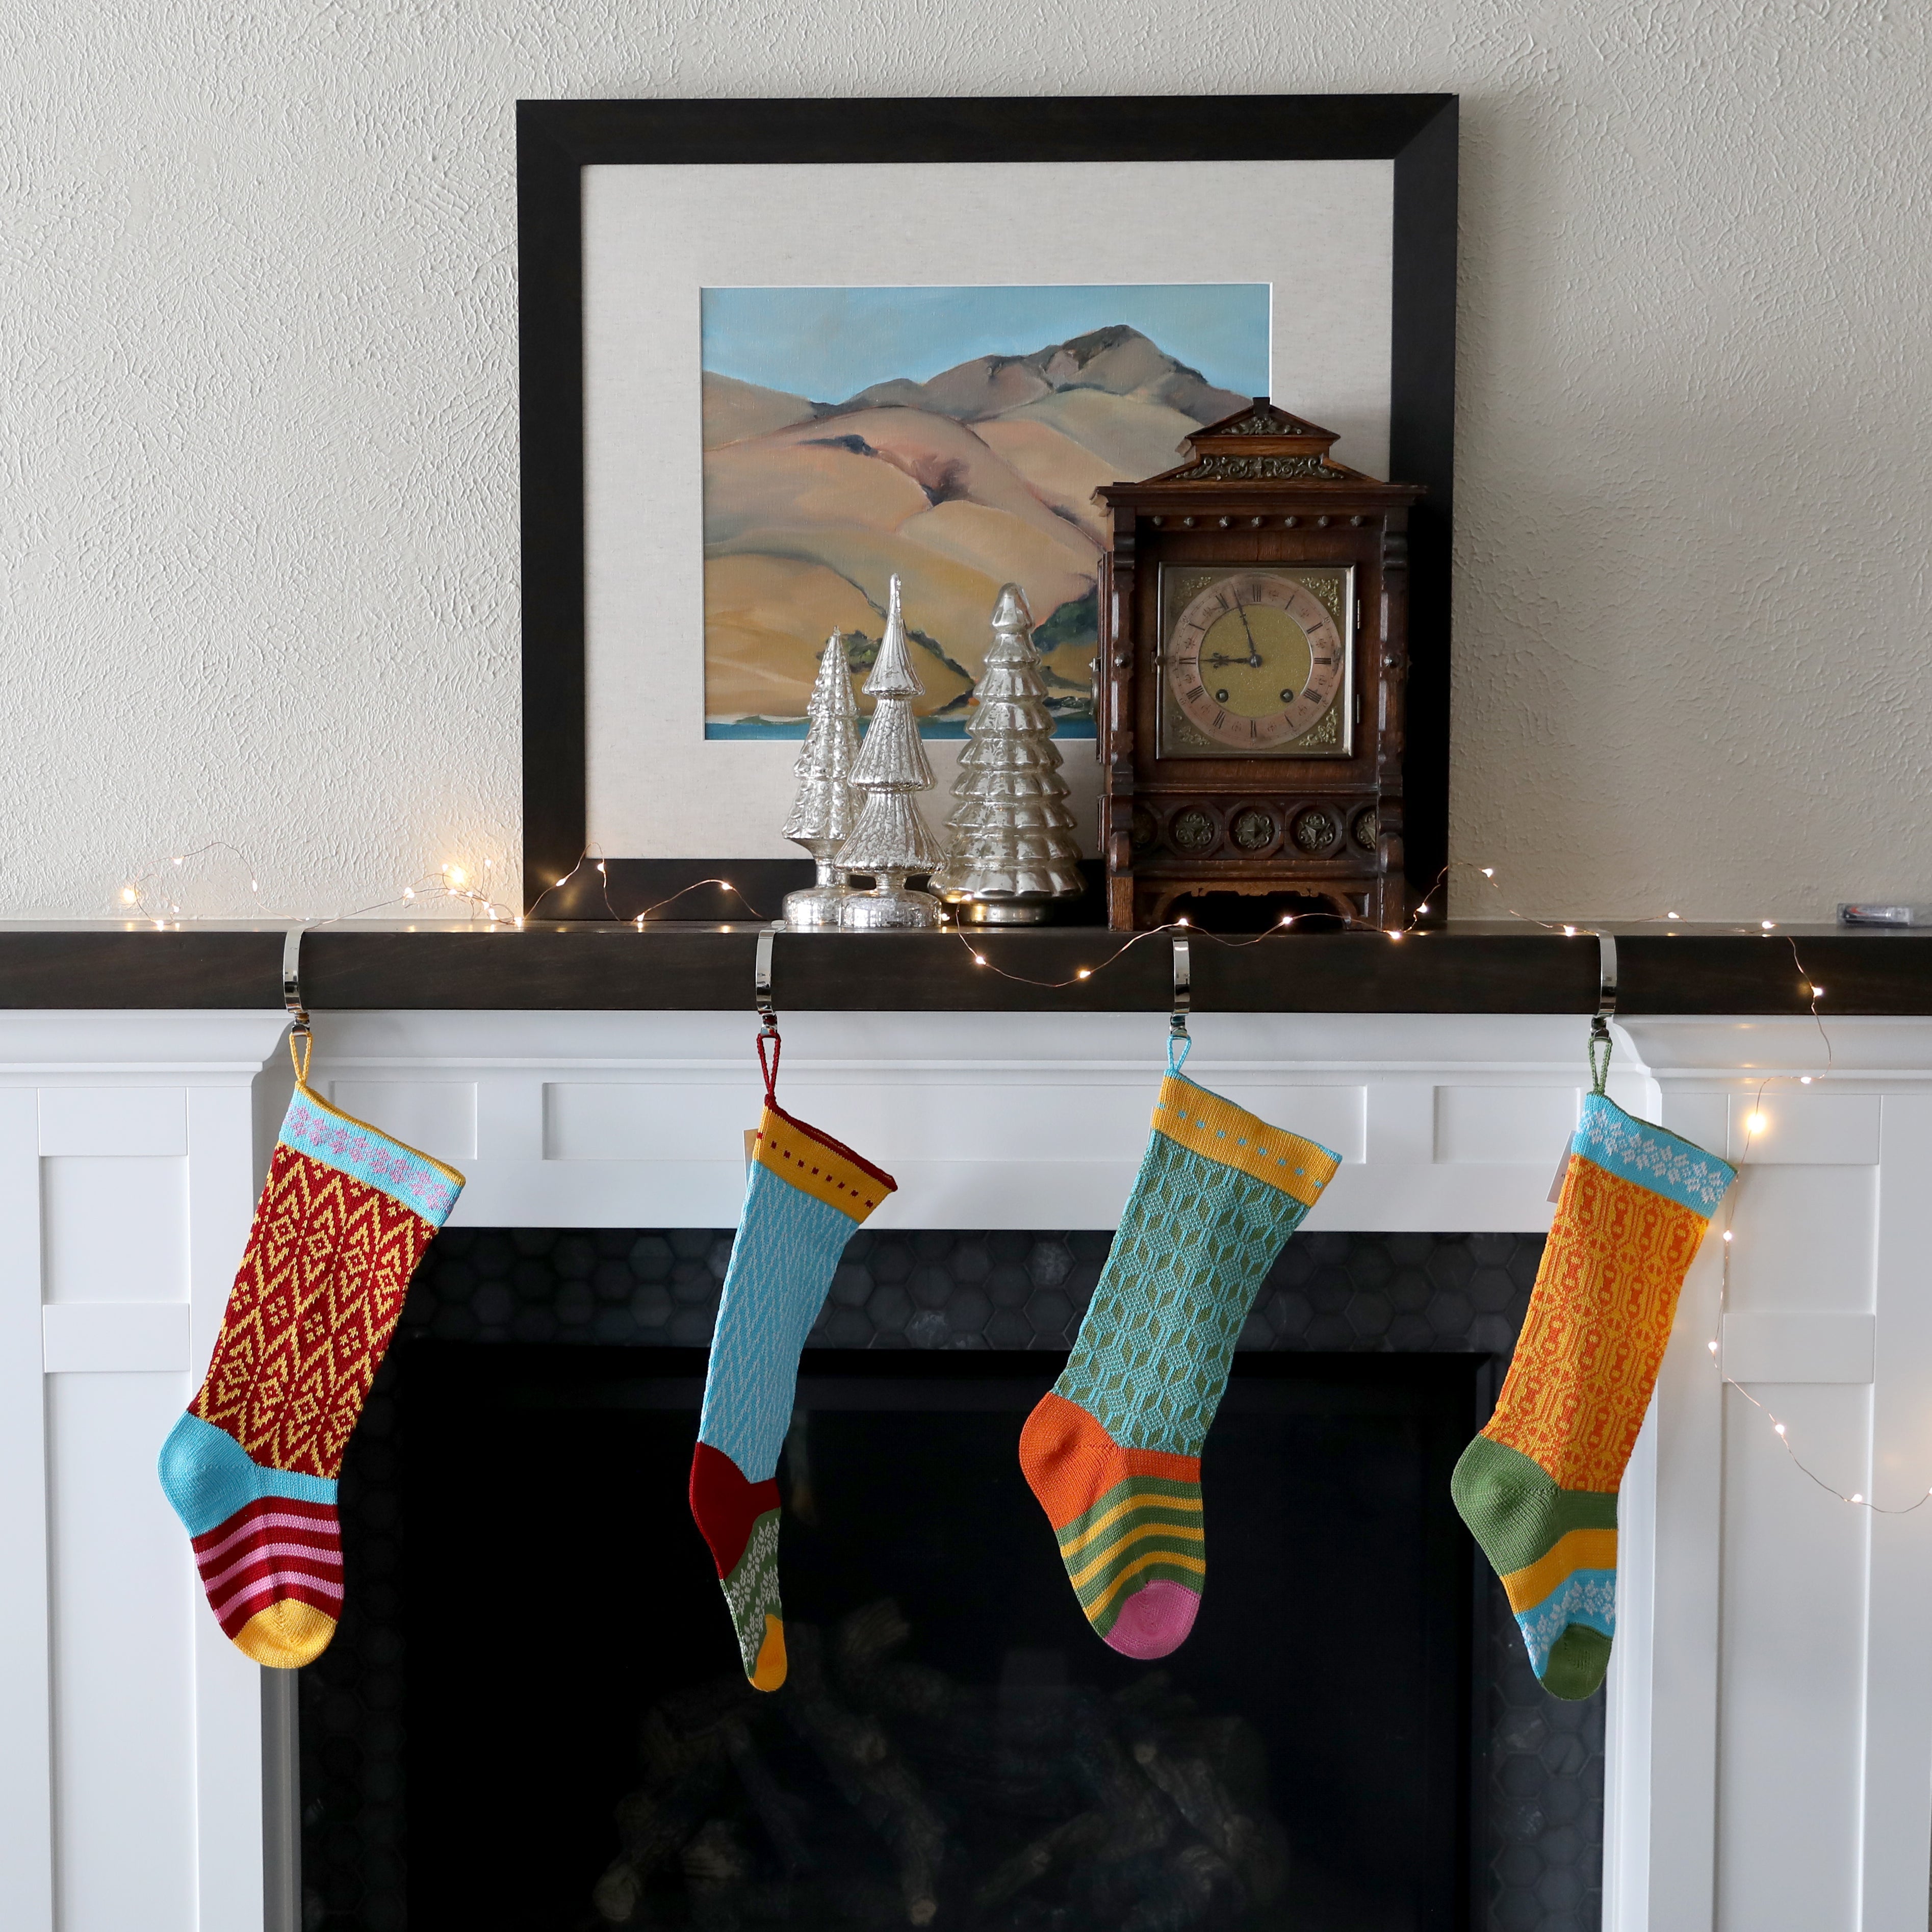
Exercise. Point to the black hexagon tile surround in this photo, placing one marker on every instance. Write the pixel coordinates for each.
(1541, 1803)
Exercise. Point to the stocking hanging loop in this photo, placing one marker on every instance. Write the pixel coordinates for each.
(300, 1039)
(1179, 1045)
(768, 1028)
(1606, 1006)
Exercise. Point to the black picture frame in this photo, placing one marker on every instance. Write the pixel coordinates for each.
(556, 140)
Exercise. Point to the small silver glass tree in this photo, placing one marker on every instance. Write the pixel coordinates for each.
(827, 809)
(892, 837)
(1015, 848)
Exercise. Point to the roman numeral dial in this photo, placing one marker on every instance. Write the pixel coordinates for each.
(1255, 660)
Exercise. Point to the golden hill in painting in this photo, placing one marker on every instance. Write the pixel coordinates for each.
(982, 475)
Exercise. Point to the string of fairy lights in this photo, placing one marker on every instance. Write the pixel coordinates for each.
(151, 897)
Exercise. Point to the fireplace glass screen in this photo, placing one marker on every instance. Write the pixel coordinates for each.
(955, 1746)
(534, 1716)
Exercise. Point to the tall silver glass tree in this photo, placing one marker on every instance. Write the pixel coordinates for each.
(826, 810)
(891, 838)
(1015, 848)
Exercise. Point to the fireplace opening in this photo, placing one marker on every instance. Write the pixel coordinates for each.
(955, 1747)
(534, 1715)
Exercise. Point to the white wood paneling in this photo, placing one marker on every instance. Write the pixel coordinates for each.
(1485, 1125)
(437, 1117)
(124, 1596)
(114, 1337)
(26, 1784)
(1801, 1126)
(151, 1120)
(1792, 1674)
(1897, 1691)
(1798, 1348)
(116, 1227)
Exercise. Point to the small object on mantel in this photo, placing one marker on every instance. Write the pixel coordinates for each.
(826, 811)
(891, 838)
(1014, 848)
(1885, 915)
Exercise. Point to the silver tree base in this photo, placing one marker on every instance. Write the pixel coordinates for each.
(892, 906)
(1000, 912)
(813, 908)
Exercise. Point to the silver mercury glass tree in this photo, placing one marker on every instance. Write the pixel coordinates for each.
(826, 808)
(1014, 848)
(892, 837)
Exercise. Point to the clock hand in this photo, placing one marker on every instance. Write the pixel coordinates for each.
(1254, 657)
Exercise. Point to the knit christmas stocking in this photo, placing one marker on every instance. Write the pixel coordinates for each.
(1538, 1486)
(1113, 1451)
(806, 1195)
(251, 1467)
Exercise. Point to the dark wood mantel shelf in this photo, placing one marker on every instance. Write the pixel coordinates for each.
(1465, 968)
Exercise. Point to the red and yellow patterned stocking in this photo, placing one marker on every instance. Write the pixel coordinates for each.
(251, 1468)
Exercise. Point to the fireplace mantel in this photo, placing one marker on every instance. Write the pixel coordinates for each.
(1771, 1704)
(1466, 967)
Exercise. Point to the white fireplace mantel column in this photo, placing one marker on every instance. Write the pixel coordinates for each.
(1771, 1698)
(131, 1733)
(1772, 1693)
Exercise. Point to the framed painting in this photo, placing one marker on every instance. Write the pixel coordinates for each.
(774, 353)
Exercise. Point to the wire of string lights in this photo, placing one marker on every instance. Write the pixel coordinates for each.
(152, 896)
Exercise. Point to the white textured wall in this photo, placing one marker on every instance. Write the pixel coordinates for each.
(258, 573)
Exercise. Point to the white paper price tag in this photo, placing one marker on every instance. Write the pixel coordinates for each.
(1562, 1169)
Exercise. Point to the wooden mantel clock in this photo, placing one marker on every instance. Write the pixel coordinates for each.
(1249, 685)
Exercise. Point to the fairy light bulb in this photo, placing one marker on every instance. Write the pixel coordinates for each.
(1489, 872)
(1670, 915)
(1083, 973)
(1727, 1234)
(1769, 925)
(1754, 1124)
(1858, 1499)
(129, 895)
(1804, 1079)
(979, 959)
(1420, 910)
(1779, 1427)
(1569, 932)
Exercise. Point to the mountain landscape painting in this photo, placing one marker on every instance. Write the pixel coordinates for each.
(954, 437)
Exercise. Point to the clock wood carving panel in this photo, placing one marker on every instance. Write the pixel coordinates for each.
(1250, 687)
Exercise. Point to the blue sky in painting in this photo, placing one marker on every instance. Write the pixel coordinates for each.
(827, 344)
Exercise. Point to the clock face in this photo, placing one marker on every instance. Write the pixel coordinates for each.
(1256, 663)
